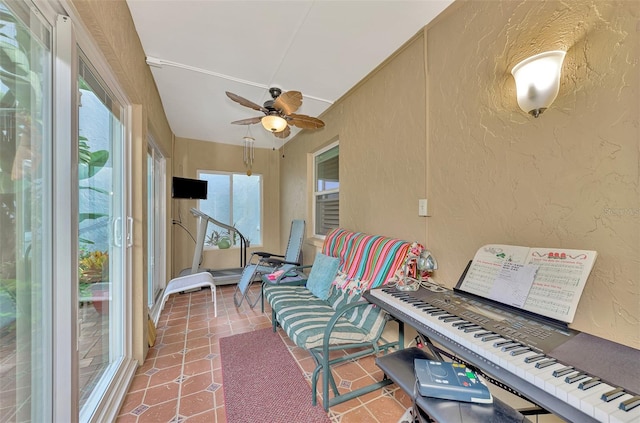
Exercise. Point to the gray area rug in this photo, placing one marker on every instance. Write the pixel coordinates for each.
(263, 383)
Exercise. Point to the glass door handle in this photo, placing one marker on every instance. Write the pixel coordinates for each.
(117, 232)
(129, 231)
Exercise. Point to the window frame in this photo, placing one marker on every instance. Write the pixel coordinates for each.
(200, 172)
(71, 37)
(315, 192)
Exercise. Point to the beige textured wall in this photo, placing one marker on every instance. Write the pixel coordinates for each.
(567, 179)
(381, 129)
(492, 173)
(193, 155)
(111, 25)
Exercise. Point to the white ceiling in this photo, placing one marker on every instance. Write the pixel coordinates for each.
(321, 48)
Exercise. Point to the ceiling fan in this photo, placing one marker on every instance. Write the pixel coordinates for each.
(279, 112)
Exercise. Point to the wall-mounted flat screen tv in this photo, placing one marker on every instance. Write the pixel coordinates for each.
(193, 189)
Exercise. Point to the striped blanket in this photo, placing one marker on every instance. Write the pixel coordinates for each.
(370, 258)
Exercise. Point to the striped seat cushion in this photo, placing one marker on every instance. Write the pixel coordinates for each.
(304, 317)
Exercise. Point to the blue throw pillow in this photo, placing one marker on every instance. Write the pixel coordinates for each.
(322, 274)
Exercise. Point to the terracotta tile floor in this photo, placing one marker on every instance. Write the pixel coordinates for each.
(181, 378)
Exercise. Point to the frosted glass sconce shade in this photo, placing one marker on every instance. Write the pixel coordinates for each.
(538, 81)
(274, 123)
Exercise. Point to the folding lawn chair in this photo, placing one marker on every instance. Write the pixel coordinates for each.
(262, 263)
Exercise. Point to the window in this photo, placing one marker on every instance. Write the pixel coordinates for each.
(26, 164)
(156, 239)
(234, 199)
(63, 190)
(326, 189)
(103, 238)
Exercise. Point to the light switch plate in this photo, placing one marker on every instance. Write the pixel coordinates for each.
(422, 207)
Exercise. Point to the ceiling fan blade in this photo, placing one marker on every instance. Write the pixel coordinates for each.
(284, 133)
(249, 121)
(288, 101)
(304, 121)
(245, 102)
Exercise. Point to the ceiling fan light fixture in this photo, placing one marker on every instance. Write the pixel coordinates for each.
(274, 123)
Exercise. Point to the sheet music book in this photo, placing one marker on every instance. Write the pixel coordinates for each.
(545, 281)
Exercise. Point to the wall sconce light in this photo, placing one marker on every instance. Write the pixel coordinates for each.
(274, 123)
(538, 81)
(248, 152)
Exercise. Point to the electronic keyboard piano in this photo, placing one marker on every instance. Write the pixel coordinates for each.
(576, 376)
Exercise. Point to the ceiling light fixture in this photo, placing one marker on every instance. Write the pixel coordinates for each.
(538, 81)
(274, 123)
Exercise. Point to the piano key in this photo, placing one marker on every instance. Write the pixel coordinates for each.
(570, 387)
(465, 325)
(473, 329)
(630, 404)
(525, 368)
(579, 397)
(425, 306)
(499, 344)
(558, 387)
(586, 384)
(519, 351)
(541, 375)
(531, 373)
(502, 358)
(603, 410)
(534, 358)
(564, 371)
(490, 352)
(576, 378)
(621, 416)
(514, 364)
(613, 394)
(511, 347)
(588, 404)
(545, 363)
(483, 345)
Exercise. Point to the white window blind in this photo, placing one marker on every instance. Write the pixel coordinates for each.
(327, 186)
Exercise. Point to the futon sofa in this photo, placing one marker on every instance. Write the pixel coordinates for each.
(328, 313)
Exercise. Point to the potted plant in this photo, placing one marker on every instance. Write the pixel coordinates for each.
(224, 242)
(94, 270)
(220, 239)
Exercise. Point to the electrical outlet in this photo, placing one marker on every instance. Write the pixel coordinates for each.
(422, 207)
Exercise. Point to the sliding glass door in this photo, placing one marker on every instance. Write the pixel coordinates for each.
(26, 366)
(102, 243)
(65, 341)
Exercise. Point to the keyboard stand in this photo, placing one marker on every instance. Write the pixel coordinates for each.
(398, 366)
